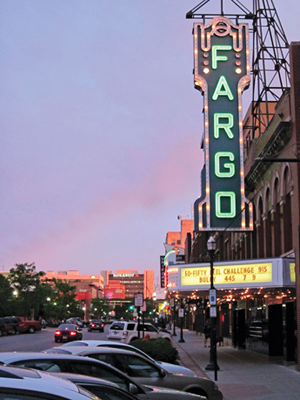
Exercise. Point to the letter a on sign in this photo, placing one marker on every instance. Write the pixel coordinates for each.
(222, 73)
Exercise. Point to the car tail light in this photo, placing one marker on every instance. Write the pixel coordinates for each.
(125, 333)
(72, 333)
(93, 325)
(102, 325)
(57, 333)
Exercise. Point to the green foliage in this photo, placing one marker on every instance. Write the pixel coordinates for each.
(26, 282)
(160, 349)
(6, 297)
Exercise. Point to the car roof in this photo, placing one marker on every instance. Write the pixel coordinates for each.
(10, 357)
(78, 378)
(101, 350)
(19, 377)
(95, 343)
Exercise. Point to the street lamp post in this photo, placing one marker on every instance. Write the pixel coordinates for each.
(212, 365)
(181, 315)
(172, 304)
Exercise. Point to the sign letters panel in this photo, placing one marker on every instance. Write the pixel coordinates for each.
(222, 72)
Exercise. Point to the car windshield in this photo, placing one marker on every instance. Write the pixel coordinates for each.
(73, 343)
(67, 327)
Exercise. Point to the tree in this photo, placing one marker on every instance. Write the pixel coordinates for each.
(63, 303)
(100, 307)
(26, 282)
(6, 297)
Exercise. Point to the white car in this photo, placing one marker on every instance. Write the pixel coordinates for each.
(127, 331)
(172, 368)
(22, 383)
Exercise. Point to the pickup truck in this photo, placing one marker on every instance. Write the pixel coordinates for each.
(28, 326)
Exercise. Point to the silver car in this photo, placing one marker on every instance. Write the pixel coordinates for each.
(173, 368)
(22, 383)
(146, 372)
(84, 366)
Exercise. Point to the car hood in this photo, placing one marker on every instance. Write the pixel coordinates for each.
(176, 369)
(166, 393)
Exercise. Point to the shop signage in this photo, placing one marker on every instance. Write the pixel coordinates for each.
(229, 274)
(162, 272)
(222, 73)
(292, 272)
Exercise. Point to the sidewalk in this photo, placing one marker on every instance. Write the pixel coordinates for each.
(243, 374)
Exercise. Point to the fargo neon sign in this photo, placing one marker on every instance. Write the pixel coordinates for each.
(222, 73)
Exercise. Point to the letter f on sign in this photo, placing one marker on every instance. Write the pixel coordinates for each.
(216, 57)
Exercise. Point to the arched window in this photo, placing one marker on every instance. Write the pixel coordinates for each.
(277, 226)
(287, 213)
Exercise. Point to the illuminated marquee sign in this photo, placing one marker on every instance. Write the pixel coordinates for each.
(229, 274)
(222, 72)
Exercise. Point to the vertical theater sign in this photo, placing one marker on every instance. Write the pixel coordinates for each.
(222, 73)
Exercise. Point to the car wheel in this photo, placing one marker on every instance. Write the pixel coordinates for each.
(13, 332)
(17, 331)
(31, 329)
(133, 339)
(5, 333)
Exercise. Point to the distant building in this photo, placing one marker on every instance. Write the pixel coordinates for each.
(134, 282)
(120, 285)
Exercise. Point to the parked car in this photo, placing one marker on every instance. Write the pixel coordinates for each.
(174, 368)
(6, 328)
(14, 322)
(96, 325)
(28, 326)
(75, 321)
(146, 372)
(111, 391)
(127, 331)
(67, 332)
(22, 383)
(91, 367)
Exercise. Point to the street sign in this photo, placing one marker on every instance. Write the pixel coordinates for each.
(213, 312)
(212, 297)
(181, 312)
(138, 300)
(180, 258)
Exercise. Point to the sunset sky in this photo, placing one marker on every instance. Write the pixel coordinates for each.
(100, 130)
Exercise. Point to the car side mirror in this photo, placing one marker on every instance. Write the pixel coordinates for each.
(162, 373)
(133, 389)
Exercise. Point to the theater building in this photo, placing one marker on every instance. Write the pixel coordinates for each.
(256, 271)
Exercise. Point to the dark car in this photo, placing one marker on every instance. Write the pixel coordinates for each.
(14, 322)
(6, 328)
(108, 390)
(67, 332)
(96, 325)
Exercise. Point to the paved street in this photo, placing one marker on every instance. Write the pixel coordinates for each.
(243, 374)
